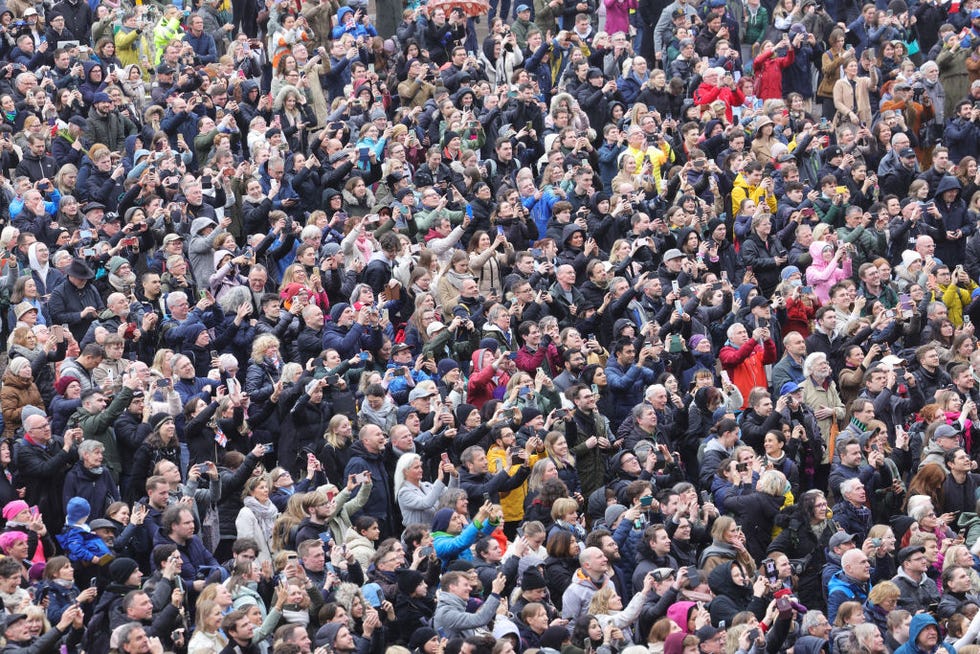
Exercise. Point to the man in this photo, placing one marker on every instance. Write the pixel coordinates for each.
(42, 461)
(17, 632)
(960, 487)
(177, 528)
(852, 466)
(77, 303)
(90, 480)
(627, 379)
(239, 629)
(36, 164)
(851, 583)
(918, 589)
(351, 331)
(930, 376)
(589, 578)
(790, 367)
(133, 639)
(962, 133)
(367, 457)
(744, 358)
(451, 617)
(945, 439)
(653, 553)
(896, 180)
(106, 125)
(588, 426)
(136, 606)
(574, 364)
(96, 419)
(205, 50)
(890, 408)
(851, 513)
(477, 482)
(957, 590)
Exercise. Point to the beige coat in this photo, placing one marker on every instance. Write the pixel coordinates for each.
(844, 98)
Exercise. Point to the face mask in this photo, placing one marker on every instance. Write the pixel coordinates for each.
(796, 282)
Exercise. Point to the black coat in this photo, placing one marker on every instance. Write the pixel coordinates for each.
(756, 512)
(42, 471)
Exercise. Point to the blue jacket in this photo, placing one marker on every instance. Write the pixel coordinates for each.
(348, 341)
(204, 47)
(627, 387)
(450, 548)
(919, 622)
(844, 589)
(194, 554)
(81, 545)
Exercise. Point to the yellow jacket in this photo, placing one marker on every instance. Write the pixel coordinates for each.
(512, 501)
(657, 158)
(741, 190)
(956, 297)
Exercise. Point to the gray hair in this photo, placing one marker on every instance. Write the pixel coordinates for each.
(90, 446)
(918, 508)
(176, 298)
(234, 298)
(810, 620)
(812, 360)
(849, 485)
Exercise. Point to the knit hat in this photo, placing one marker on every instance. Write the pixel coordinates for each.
(460, 565)
(440, 522)
(532, 579)
(613, 512)
(489, 344)
(420, 637)
(9, 538)
(157, 420)
(408, 580)
(695, 340)
(909, 257)
(528, 414)
(121, 569)
(553, 637)
(115, 263)
(11, 509)
(463, 412)
(445, 366)
(78, 509)
(336, 310)
(62, 384)
(17, 364)
(788, 272)
(327, 634)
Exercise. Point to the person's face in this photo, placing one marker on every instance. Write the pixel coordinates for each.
(184, 527)
(928, 638)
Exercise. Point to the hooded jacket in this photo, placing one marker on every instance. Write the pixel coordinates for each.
(954, 218)
(731, 598)
(481, 386)
(919, 622)
(575, 600)
(821, 276)
(381, 498)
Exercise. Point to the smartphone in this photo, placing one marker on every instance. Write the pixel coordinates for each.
(88, 252)
(214, 354)
(486, 497)
(445, 457)
(741, 467)
(677, 287)
(163, 383)
(770, 567)
(646, 500)
(513, 451)
(500, 230)
(364, 356)
(806, 289)
(93, 582)
(130, 242)
(85, 233)
(679, 307)
(332, 379)
(363, 156)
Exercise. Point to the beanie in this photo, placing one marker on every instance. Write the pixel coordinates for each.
(78, 509)
(440, 522)
(326, 635)
(408, 580)
(121, 569)
(11, 509)
(337, 309)
(532, 579)
(62, 384)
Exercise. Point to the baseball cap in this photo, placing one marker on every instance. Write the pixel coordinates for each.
(672, 253)
(907, 153)
(840, 538)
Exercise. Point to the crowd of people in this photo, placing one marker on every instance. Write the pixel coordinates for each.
(572, 327)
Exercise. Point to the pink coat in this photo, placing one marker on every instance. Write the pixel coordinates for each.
(618, 15)
(820, 275)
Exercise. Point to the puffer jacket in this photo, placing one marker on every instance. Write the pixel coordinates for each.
(16, 393)
(381, 500)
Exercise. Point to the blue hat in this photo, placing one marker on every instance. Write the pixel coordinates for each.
(78, 509)
(489, 344)
(521, 8)
(789, 387)
(101, 97)
(975, 13)
(447, 365)
(337, 309)
(789, 271)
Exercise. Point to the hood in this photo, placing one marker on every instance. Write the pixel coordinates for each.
(343, 14)
(679, 612)
(569, 230)
(720, 582)
(812, 645)
(919, 622)
(200, 223)
(948, 183)
(476, 359)
(219, 255)
(675, 642)
(816, 254)
(714, 445)
(131, 144)
(358, 449)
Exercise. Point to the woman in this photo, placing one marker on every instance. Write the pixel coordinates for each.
(727, 545)
(59, 588)
(852, 95)
(24, 343)
(776, 458)
(882, 600)
(361, 538)
(418, 499)
(561, 564)
(756, 509)
(607, 606)
(866, 639)
(556, 447)
(207, 638)
(18, 391)
(733, 593)
(486, 262)
(257, 516)
(161, 444)
(294, 116)
(265, 368)
(923, 513)
(829, 267)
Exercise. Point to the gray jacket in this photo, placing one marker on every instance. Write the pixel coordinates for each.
(452, 621)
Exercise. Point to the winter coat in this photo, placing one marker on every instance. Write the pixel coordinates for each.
(756, 512)
(95, 485)
(919, 622)
(731, 599)
(16, 393)
(381, 499)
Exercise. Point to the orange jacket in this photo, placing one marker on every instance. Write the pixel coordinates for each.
(745, 365)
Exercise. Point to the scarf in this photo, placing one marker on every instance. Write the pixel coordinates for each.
(265, 514)
(121, 282)
(456, 279)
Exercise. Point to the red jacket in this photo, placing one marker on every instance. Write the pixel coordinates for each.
(745, 365)
(481, 386)
(706, 94)
(768, 70)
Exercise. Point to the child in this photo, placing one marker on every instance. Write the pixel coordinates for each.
(77, 540)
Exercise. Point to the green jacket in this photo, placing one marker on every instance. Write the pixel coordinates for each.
(98, 427)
